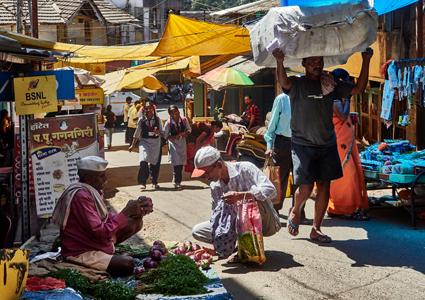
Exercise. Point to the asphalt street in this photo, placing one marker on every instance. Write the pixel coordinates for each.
(378, 259)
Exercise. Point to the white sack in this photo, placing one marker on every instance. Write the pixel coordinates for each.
(334, 32)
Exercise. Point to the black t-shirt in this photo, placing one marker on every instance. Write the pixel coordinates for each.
(311, 119)
(110, 119)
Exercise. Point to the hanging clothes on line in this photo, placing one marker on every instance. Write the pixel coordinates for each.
(407, 78)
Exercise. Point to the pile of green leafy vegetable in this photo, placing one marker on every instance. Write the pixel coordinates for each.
(178, 275)
(138, 252)
(103, 290)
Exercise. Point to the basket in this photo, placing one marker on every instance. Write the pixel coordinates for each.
(370, 174)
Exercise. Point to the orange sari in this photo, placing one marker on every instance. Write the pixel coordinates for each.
(348, 193)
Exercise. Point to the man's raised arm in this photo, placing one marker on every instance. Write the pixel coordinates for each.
(282, 78)
(364, 73)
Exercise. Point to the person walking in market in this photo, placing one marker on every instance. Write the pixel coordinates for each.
(127, 107)
(88, 232)
(314, 149)
(109, 125)
(176, 130)
(348, 194)
(132, 120)
(148, 137)
(278, 139)
(229, 183)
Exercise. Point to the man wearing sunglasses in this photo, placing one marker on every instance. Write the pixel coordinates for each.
(231, 182)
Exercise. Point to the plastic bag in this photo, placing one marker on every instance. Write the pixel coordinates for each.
(250, 232)
(273, 174)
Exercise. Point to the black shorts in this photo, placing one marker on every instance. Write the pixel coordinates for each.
(313, 164)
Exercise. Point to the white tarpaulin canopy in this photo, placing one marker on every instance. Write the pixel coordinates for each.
(334, 32)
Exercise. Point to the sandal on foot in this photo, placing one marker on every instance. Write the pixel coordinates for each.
(321, 239)
(360, 216)
(292, 227)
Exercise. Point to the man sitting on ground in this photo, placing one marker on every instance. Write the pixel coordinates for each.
(88, 231)
(231, 182)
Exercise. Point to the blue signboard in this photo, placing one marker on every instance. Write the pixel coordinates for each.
(6, 88)
(64, 84)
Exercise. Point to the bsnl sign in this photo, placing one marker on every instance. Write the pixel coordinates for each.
(64, 84)
(35, 94)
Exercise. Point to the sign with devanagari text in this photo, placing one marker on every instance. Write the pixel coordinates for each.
(55, 146)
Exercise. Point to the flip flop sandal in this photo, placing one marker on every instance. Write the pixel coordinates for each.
(321, 239)
(360, 216)
(292, 227)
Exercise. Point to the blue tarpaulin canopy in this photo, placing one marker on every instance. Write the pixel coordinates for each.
(381, 6)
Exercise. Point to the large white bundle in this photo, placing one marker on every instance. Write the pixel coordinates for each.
(334, 32)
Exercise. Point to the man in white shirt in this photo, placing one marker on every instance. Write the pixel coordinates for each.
(231, 182)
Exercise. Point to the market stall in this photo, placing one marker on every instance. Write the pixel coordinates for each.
(171, 270)
(396, 164)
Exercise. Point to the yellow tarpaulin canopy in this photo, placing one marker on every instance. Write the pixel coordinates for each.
(123, 79)
(88, 54)
(187, 37)
(172, 63)
(149, 82)
(133, 78)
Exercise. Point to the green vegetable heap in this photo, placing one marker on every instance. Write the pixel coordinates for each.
(177, 275)
(104, 290)
(132, 251)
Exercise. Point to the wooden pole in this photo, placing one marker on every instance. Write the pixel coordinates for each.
(19, 7)
(224, 99)
(34, 18)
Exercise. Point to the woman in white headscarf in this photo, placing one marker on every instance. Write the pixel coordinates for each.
(148, 136)
(176, 129)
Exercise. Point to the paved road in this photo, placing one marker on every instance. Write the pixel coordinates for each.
(380, 259)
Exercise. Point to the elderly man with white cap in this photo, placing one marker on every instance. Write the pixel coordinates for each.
(231, 182)
(88, 231)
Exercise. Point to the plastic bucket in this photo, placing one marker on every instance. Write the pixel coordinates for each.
(14, 265)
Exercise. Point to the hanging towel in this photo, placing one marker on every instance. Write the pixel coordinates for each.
(387, 101)
(392, 75)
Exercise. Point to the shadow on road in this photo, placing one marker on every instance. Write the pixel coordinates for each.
(391, 242)
(276, 260)
(237, 290)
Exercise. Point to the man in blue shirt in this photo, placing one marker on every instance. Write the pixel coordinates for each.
(278, 138)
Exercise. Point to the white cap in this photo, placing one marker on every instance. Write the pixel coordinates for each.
(205, 157)
(92, 163)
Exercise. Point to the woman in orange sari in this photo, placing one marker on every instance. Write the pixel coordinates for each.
(348, 195)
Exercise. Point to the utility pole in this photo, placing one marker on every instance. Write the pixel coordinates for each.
(19, 13)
